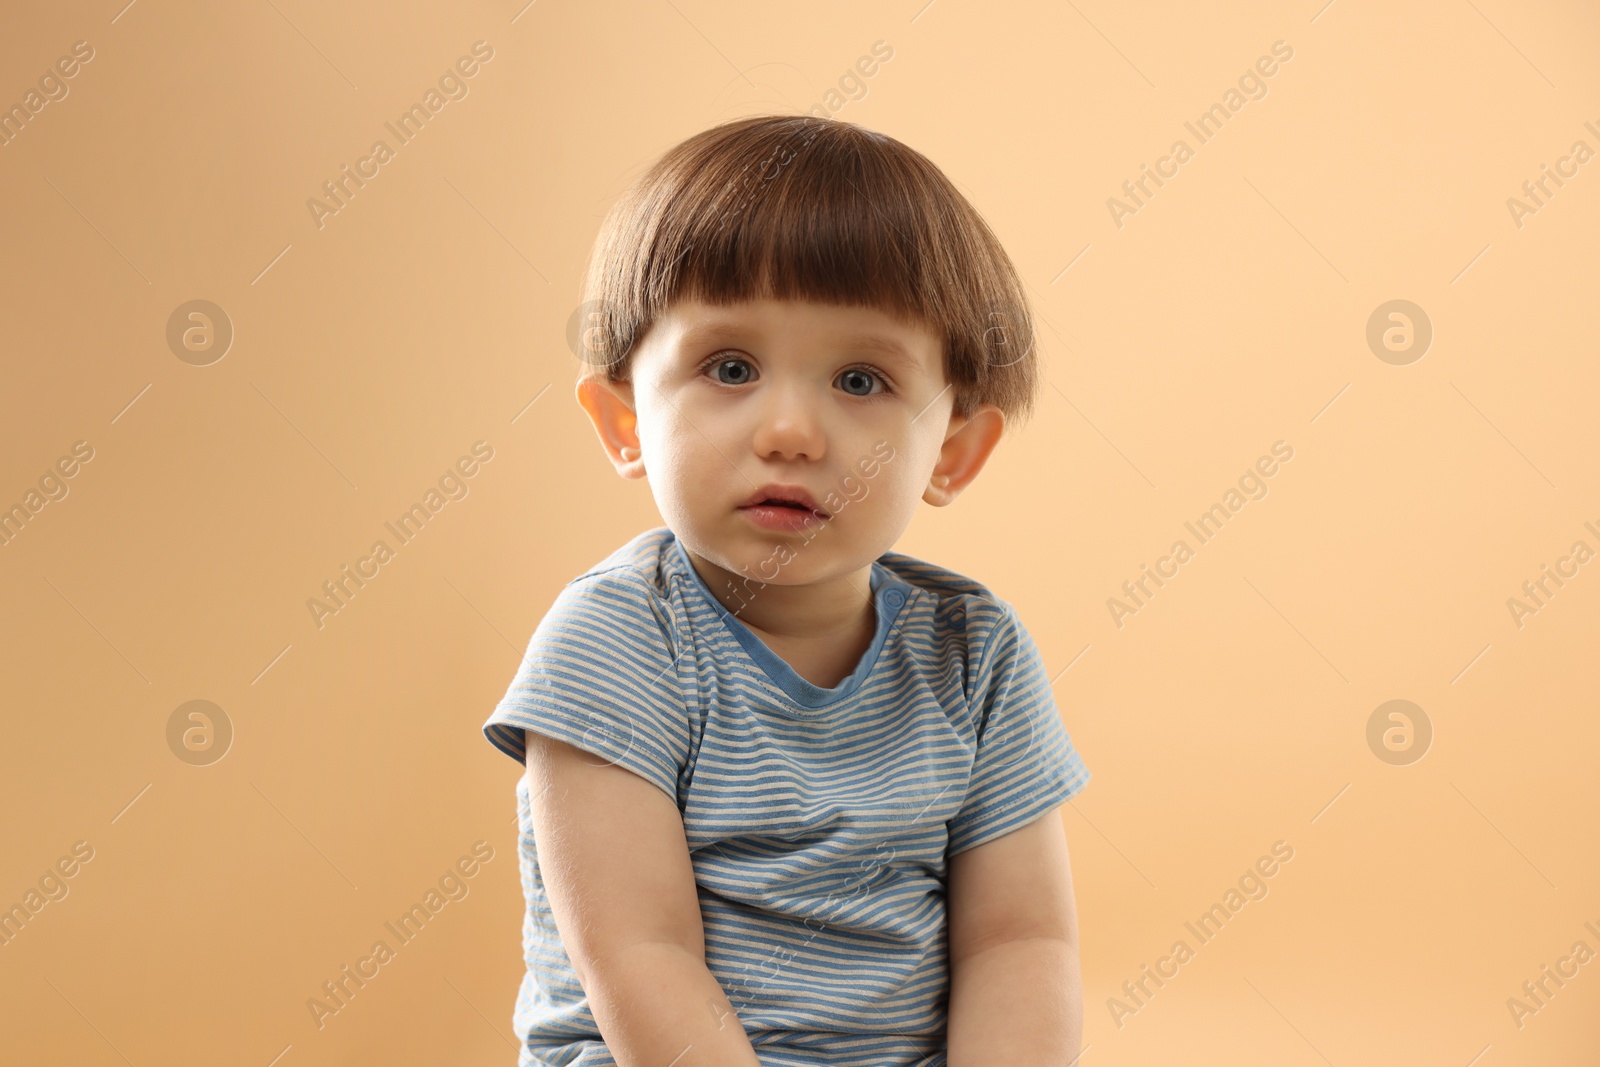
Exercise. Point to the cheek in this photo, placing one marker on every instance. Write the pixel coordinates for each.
(700, 450)
(913, 459)
(897, 485)
(669, 442)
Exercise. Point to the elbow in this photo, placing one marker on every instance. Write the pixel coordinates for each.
(624, 963)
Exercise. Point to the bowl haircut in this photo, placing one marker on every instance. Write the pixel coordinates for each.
(796, 207)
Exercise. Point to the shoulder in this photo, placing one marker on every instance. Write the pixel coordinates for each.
(643, 558)
(964, 610)
(625, 590)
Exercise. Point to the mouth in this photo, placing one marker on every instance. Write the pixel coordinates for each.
(791, 497)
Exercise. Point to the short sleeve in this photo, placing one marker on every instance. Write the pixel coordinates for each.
(1026, 763)
(600, 673)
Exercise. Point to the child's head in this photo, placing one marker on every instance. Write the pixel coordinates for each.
(743, 300)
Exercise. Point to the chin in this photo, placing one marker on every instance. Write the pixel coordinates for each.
(775, 560)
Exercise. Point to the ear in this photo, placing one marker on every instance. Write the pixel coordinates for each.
(610, 407)
(966, 449)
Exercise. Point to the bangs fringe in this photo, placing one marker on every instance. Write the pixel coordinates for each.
(803, 208)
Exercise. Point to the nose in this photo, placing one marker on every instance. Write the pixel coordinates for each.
(789, 426)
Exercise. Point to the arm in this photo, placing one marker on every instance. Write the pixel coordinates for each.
(621, 887)
(1016, 998)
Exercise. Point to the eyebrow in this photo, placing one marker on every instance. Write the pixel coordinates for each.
(894, 351)
(885, 346)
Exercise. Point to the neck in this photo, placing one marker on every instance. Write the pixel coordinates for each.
(815, 610)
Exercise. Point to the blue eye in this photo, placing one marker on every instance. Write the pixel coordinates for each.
(733, 371)
(859, 382)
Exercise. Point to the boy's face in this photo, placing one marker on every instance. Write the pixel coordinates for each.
(845, 403)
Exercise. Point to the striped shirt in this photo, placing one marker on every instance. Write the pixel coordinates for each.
(819, 820)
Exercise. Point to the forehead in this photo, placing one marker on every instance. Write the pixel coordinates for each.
(693, 324)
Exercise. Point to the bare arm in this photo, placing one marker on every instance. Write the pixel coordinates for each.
(621, 887)
(1016, 995)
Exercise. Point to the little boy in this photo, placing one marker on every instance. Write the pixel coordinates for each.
(792, 797)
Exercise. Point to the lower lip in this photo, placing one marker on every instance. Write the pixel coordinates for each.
(772, 517)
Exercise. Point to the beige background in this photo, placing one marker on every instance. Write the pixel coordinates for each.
(1228, 313)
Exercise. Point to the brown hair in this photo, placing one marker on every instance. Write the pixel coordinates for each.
(806, 208)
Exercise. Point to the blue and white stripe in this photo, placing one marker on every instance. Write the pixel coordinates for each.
(819, 820)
